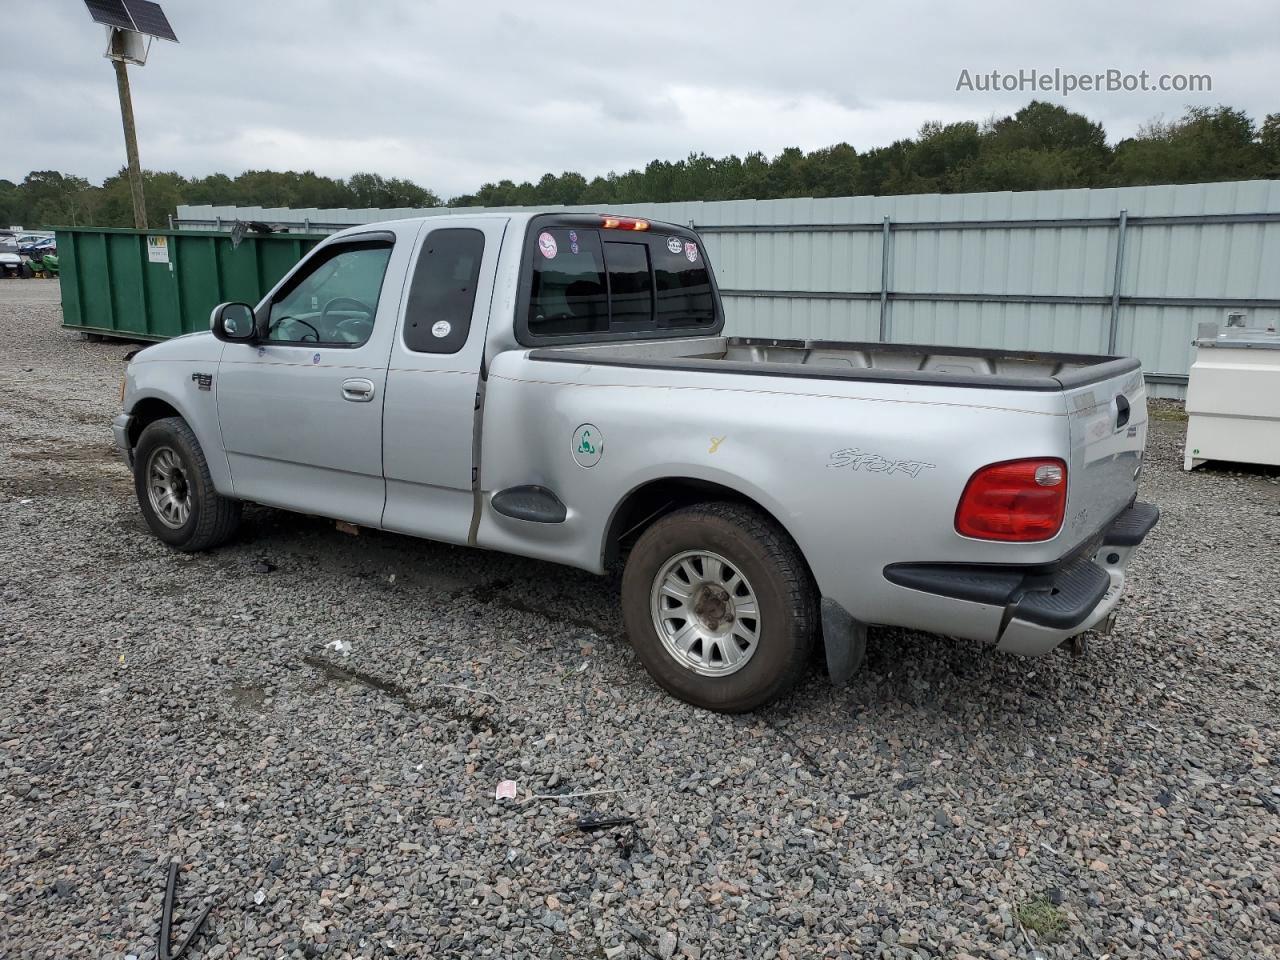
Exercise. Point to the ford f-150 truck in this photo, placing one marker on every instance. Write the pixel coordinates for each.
(558, 386)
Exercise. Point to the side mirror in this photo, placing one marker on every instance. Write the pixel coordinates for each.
(233, 322)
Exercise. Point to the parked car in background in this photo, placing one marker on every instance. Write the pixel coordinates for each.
(558, 386)
(38, 247)
(11, 262)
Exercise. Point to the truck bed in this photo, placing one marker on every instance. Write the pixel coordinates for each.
(829, 359)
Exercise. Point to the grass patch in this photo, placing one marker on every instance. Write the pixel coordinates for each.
(1169, 412)
(1042, 918)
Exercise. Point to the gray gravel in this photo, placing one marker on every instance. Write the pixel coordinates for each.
(158, 707)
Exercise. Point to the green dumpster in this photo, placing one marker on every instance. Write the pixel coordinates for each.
(155, 284)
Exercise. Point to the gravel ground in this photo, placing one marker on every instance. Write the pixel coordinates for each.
(951, 802)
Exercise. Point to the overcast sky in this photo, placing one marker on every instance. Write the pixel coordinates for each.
(454, 94)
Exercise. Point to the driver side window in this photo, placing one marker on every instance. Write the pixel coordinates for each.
(334, 300)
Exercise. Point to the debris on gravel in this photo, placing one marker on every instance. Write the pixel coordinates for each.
(312, 725)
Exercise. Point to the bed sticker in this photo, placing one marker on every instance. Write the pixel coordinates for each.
(587, 445)
(547, 245)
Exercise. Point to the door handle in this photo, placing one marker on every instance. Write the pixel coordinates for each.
(357, 390)
(1122, 410)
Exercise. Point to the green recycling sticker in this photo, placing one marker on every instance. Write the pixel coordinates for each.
(588, 445)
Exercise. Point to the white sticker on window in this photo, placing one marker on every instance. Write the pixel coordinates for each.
(690, 251)
(441, 328)
(673, 244)
(547, 244)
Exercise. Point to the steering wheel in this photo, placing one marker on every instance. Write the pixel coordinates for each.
(357, 328)
(347, 302)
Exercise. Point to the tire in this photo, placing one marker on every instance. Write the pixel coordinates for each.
(722, 544)
(210, 519)
(25, 271)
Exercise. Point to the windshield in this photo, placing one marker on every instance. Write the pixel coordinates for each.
(8, 244)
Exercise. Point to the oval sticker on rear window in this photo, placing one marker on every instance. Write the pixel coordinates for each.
(690, 251)
(673, 244)
(547, 244)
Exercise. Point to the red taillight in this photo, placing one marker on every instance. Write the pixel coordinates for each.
(623, 223)
(1017, 500)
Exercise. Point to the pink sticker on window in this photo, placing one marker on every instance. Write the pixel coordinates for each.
(690, 251)
(547, 244)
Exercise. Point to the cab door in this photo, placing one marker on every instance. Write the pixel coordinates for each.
(433, 379)
(301, 409)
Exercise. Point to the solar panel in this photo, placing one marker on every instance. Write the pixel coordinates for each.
(150, 19)
(111, 13)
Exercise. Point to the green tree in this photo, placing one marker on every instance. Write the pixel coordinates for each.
(114, 201)
(52, 198)
(13, 205)
(373, 190)
(1206, 144)
(1269, 141)
(1041, 146)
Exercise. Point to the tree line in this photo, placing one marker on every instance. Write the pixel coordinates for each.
(1042, 146)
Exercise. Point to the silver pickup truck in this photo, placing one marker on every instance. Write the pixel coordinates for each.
(558, 386)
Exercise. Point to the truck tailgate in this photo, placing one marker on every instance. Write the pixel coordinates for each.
(1107, 423)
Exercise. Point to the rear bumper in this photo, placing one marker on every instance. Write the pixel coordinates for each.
(1042, 606)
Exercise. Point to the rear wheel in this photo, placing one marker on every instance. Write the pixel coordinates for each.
(175, 490)
(720, 607)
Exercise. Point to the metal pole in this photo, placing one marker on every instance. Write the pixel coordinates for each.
(884, 280)
(1114, 329)
(131, 145)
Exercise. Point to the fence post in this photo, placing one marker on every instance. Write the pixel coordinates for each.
(884, 281)
(1113, 330)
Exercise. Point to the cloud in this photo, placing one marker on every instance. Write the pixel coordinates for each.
(452, 95)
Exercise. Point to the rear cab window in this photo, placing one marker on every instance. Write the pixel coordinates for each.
(585, 280)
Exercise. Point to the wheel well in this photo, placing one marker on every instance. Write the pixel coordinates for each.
(656, 499)
(146, 412)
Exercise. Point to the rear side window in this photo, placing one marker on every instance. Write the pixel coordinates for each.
(587, 281)
(442, 294)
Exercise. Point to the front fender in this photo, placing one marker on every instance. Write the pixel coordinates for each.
(181, 386)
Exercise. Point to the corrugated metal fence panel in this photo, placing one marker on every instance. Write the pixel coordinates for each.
(1196, 260)
(1221, 261)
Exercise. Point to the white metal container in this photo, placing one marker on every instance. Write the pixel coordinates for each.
(1233, 399)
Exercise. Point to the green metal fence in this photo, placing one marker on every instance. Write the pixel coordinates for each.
(155, 284)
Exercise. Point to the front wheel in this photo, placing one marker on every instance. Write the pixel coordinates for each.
(175, 491)
(720, 607)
